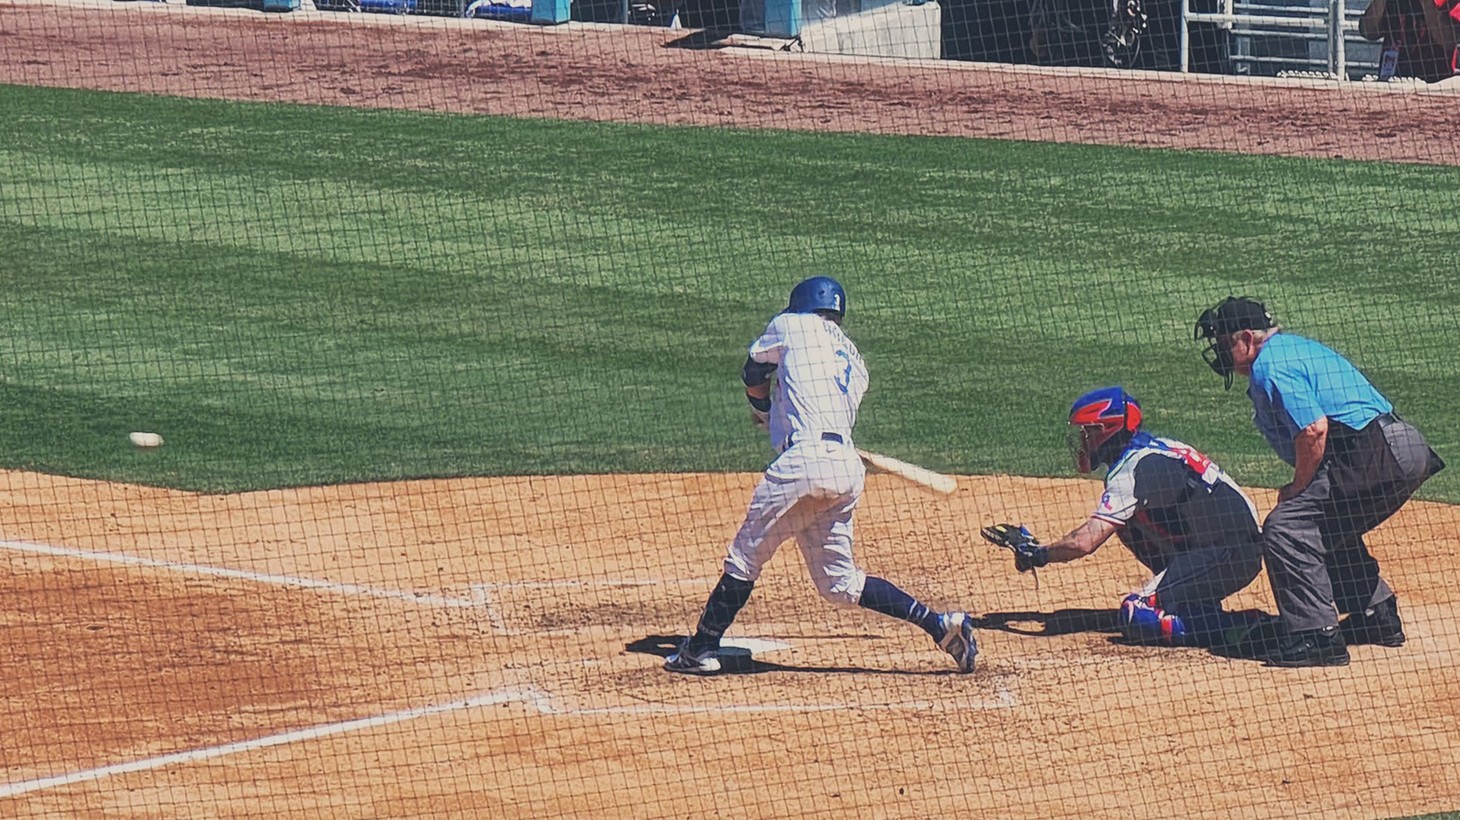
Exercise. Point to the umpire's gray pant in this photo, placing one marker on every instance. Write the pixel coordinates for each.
(1317, 561)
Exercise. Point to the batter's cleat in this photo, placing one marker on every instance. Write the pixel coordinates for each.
(1379, 625)
(1313, 647)
(691, 662)
(958, 639)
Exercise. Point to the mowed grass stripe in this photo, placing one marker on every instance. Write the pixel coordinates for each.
(297, 295)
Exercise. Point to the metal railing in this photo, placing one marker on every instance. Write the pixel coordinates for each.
(1330, 24)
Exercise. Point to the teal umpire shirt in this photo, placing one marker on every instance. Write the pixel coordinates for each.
(1296, 381)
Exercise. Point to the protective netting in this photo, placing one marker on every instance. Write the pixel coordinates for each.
(443, 324)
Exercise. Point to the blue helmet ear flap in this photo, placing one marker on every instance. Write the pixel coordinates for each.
(818, 293)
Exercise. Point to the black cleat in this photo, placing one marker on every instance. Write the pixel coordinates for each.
(689, 660)
(1379, 626)
(1314, 647)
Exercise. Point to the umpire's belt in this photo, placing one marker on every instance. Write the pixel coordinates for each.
(836, 437)
(1343, 436)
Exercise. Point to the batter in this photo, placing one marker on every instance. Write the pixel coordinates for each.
(810, 492)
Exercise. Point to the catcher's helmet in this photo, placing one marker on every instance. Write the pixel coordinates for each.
(1102, 422)
(818, 293)
(1233, 314)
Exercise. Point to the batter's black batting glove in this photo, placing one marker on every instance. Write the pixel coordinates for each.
(1028, 552)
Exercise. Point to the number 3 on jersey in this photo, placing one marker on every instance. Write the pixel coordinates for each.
(844, 378)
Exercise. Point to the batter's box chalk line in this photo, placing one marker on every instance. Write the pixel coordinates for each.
(485, 596)
(529, 696)
(999, 698)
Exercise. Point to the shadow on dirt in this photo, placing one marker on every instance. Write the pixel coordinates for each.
(1049, 624)
(1250, 643)
(1254, 644)
(737, 661)
(700, 40)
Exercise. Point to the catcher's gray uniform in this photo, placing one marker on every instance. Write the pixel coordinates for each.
(1185, 519)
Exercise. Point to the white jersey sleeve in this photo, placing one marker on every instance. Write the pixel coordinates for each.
(1119, 504)
(771, 346)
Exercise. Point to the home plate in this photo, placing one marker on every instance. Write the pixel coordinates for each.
(746, 647)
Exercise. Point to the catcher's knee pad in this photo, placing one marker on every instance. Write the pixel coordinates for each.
(1142, 621)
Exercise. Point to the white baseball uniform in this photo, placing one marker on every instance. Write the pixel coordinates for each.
(811, 490)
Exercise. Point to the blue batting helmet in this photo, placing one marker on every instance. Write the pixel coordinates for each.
(1102, 418)
(818, 293)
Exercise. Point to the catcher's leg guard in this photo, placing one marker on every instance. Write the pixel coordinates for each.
(1142, 621)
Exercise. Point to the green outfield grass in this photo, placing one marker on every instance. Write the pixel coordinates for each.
(296, 295)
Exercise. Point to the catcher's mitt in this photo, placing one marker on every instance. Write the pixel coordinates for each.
(1028, 552)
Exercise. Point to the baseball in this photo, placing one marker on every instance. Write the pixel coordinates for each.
(145, 440)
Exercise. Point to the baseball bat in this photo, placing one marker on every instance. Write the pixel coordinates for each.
(921, 476)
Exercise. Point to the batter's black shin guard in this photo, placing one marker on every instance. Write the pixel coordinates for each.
(726, 601)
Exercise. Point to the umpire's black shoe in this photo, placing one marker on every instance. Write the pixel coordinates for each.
(1314, 647)
(1379, 625)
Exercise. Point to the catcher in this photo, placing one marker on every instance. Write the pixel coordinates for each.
(1177, 512)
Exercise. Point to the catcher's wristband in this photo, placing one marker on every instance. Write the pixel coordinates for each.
(1039, 556)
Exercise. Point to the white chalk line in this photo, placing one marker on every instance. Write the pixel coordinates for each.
(1002, 698)
(423, 598)
(538, 700)
(480, 593)
(591, 583)
(312, 733)
(481, 598)
(486, 599)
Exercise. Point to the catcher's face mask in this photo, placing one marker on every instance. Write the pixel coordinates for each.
(1082, 441)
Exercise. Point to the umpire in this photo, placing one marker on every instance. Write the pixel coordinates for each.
(1354, 463)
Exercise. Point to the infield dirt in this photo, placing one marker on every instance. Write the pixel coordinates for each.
(572, 590)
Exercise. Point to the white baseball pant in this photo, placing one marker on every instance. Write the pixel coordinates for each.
(809, 493)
